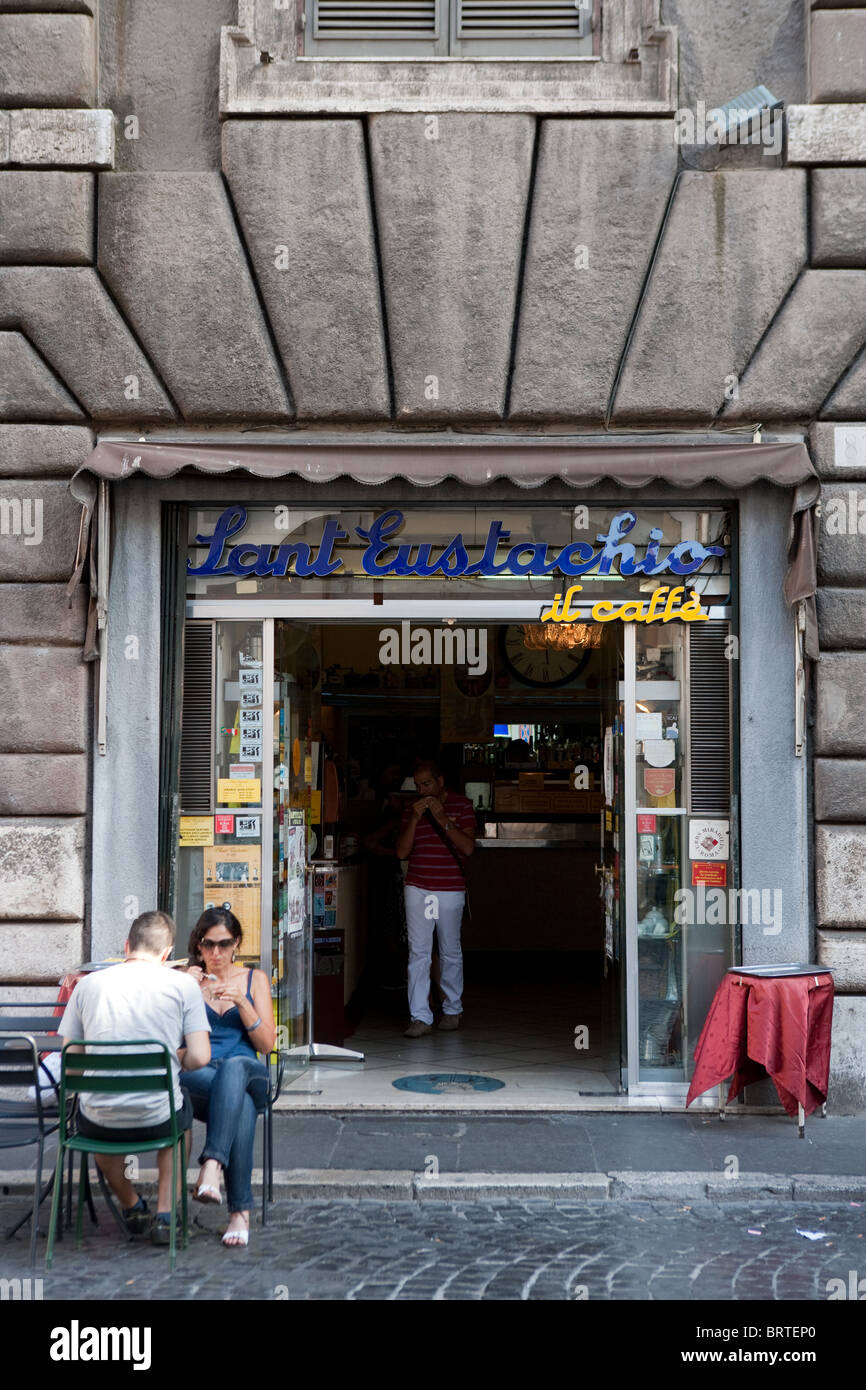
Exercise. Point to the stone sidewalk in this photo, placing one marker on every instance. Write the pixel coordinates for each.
(490, 1250)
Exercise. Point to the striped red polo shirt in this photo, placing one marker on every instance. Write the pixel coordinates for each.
(432, 866)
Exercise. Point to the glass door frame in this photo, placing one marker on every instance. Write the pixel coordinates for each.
(504, 611)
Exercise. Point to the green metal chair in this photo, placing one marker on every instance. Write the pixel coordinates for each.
(116, 1072)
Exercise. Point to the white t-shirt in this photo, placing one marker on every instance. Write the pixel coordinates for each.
(137, 999)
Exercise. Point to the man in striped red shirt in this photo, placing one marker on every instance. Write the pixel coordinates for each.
(437, 835)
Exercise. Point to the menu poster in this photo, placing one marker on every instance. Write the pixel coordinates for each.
(232, 879)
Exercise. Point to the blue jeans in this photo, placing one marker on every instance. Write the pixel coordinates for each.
(227, 1095)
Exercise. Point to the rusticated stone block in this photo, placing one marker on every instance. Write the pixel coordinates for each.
(826, 134)
(56, 6)
(837, 58)
(46, 689)
(842, 534)
(845, 953)
(67, 314)
(40, 950)
(169, 248)
(42, 869)
(32, 451)
(47, 60)
(840, 789)
(67, 138)
(301, 191)
(37, 614)
(840, 875)
(732, 248)
(842, 619)
(39, 784)
(46, 215)
(39, 524)
(723, 51)
(827, 310)
(586, 259)
(839, 457)
(848, 401)
(451, 214)
(840, 729)
(29, 390)
(848, 1058)
(165, 70)
(839, 217)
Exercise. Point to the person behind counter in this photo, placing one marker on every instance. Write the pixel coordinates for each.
(230, 1092)
(437, 835)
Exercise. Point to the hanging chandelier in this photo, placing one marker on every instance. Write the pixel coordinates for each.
(540, 637)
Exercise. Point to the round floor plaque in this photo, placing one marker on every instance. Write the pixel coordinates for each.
(446, 1083)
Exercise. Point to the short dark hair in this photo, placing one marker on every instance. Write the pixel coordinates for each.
(433, 765)
(213, 917)
(152, 932)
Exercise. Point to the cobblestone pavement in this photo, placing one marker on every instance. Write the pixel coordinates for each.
(496, 1250)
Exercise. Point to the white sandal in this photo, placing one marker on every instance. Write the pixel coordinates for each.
(237, 1239)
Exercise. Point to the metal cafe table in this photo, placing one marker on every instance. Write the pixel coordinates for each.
(769, 1020)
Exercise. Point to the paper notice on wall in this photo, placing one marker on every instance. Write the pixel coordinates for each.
(252, 723)
(714, 874)
(247, 792)
(659, 752)
(659, 781)
(196, 830)
(242, 771)
(247, 827)
(648, 724)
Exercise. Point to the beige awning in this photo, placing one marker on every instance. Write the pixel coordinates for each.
(477, 462)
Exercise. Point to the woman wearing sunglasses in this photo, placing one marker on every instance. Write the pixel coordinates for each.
(229, 1092)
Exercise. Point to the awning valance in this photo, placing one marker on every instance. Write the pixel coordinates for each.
(475, 462)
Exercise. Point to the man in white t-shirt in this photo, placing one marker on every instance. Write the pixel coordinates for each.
(141, 998)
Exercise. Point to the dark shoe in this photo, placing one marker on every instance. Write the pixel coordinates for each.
(418, 1029)
(160, 1231)
(448, 1022)
(138, 1218)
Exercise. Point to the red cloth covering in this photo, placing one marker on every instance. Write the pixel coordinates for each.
(779, 1027)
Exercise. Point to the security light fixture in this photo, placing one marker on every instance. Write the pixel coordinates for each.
(746, 111)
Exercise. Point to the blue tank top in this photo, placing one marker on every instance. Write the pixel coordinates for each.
(228, 1036)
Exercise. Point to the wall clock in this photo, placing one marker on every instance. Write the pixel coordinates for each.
(542, 669)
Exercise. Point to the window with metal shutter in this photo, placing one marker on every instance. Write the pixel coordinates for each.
(376, 28)
(196, 720)
(511, 27)
(710, 719)
(437, 28)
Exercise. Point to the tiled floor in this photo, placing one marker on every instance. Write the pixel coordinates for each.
(521, 1032)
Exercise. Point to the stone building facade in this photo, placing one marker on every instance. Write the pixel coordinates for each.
(204, 230)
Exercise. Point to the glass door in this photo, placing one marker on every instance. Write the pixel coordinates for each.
(609, 867)
(677, 759)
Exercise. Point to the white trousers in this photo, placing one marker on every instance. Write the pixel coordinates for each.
(424, 910)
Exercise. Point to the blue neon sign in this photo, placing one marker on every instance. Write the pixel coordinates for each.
(384, 555)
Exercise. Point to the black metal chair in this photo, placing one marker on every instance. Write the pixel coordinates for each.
(24, 1123)
(276, 1064)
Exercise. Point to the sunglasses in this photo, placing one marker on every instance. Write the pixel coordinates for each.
(208, 944)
